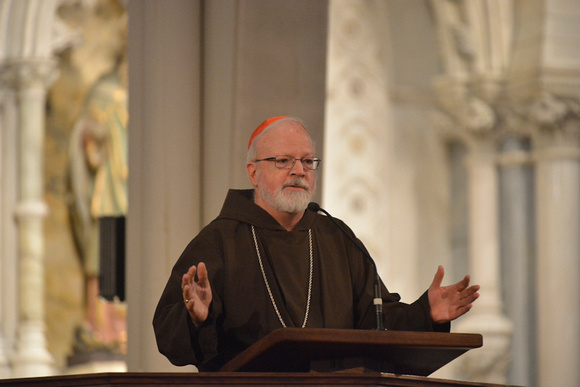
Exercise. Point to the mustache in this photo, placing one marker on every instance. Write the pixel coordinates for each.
(296, 182)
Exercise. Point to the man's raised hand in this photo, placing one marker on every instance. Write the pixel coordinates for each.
(197, 295)
(449, 302)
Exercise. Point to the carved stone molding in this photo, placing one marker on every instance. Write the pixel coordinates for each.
(549, 120)
(477, 117)
(473, 122)
(27, 74)
(31, 210)
(546, 119)
(548, 111)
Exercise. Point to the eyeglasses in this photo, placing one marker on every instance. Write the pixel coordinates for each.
(288, 162)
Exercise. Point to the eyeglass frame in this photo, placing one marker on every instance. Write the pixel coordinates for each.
(315, 160)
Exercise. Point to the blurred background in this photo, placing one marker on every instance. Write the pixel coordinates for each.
(449, 134)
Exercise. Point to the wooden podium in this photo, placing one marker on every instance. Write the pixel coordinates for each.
(329, 350)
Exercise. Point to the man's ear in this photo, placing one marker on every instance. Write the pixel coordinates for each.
(252, 170)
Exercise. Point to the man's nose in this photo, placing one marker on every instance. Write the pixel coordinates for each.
(298, 168)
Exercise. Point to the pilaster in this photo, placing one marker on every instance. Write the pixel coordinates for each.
(30, 80)
(555, 124)
(357, 117)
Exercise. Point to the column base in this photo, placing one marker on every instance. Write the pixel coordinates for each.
(490, 363)
(5, 371)
(32, 357)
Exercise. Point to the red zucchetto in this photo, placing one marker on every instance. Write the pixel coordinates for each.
(263, 126)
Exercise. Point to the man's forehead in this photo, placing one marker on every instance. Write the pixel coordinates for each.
(287, 135)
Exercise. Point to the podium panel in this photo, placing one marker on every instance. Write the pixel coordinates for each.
(328, 350)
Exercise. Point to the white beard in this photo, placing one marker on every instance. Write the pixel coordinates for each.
(288, 201)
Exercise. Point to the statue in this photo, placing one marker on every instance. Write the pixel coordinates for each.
(98, 181)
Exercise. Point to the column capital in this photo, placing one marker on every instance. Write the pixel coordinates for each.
(463, 112)
(29, 73)
(474, 122)
(552, 113)
(546, 114)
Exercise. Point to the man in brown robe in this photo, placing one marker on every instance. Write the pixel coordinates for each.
(266, 263)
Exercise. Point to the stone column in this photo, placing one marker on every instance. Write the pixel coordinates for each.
(5, 371)
(557, 155)
(490, 363)
(516, 230)
(474, 122)
(30, 79)
(4, 366)
(8, 228)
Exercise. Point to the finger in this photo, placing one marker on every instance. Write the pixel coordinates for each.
(185, 285)
(471, 298)
(462, 302)
(191, 273)
(185, 295)
(471, 290)
(188, 277)
(184, 280)
(463, 284)
(202, 276)
(187, 280)
(462, 310)
(466, 280)
(438, 278)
